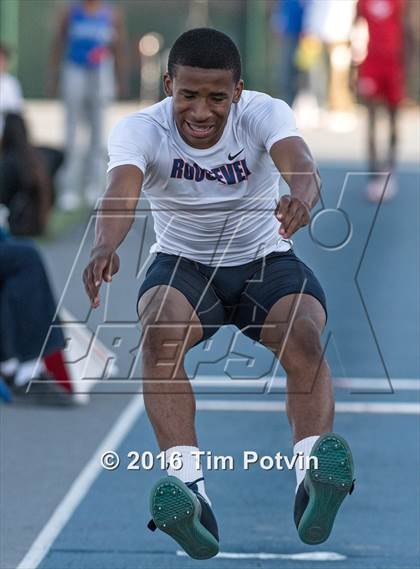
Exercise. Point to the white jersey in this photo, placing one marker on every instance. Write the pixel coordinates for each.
(11, 99)
(214, 205)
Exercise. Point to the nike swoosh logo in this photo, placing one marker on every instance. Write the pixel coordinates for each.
(230, 157)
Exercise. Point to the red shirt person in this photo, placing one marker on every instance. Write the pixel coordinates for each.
(381, 80)
(381, 75)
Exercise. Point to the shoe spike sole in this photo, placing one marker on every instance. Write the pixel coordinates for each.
(176, 511)
(327, 486)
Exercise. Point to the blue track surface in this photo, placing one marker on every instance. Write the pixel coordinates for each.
(377, 526)
(372, 288)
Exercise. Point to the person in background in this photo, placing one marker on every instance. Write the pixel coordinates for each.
(381, 80)
(11, 98)
(27, 309)
(287, 23)
(324, 49)
(25, 184)
(86, 62)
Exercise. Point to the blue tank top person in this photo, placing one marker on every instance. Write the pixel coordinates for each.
(89, 36)
(288, 16)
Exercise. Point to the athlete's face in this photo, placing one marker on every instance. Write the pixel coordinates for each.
(202, 101)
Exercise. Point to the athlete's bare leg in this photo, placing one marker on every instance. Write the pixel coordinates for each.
(170, 329)
(296, 323)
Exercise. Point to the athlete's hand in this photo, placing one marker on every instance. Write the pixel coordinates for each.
(102, 266)
(293, 214)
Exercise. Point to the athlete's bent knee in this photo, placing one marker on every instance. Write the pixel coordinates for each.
(303, 346)
(168, 322)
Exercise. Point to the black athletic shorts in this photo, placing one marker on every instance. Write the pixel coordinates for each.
(241, 295)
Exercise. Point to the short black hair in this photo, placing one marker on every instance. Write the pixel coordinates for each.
(205, 48)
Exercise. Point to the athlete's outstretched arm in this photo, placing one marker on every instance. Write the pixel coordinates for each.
(294, 161)
(115, 218)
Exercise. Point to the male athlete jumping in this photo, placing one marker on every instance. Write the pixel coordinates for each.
(210, 158)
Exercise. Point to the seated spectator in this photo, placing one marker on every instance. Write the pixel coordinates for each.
(11, 99)
(53, 159)
(25, 185)
(27, 309)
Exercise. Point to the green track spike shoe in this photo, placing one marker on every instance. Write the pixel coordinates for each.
(322, 491)
(180, 511)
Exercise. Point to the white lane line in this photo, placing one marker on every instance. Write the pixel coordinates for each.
(340, 407)
(310, 556)
(366, 383)
(81, 485)
(362, 383)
